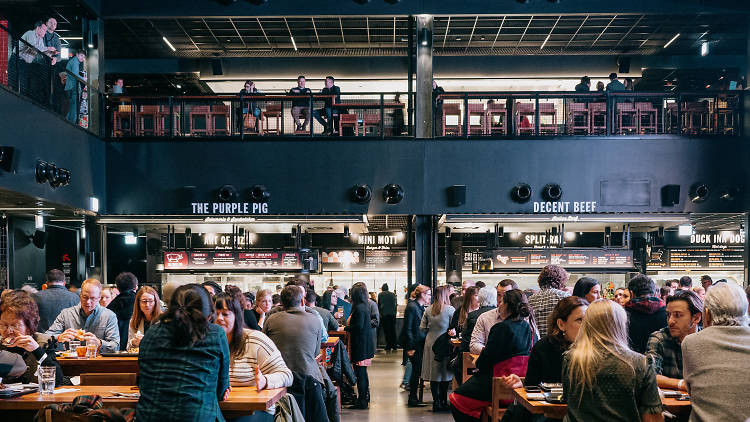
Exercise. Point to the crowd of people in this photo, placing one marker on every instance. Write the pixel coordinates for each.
(610, 355)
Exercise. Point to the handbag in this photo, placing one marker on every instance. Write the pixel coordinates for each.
(442, 347)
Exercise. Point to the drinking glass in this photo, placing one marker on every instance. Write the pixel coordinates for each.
(91, 350)
(73, 345)
(46, 378)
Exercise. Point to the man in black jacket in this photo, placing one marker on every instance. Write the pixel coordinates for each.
(387, 307)
(412, 339)
(122, 305)
(327, 110)
(646, 312)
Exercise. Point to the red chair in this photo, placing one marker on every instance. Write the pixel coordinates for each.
(547, 118)
(273, 111)
(371, 120)
(348, 120)
(598, 113)
(147, 121)
(219, 119)
(579, 119)
(200, 120)
(647, 117)
(478, 111)
(451, 110)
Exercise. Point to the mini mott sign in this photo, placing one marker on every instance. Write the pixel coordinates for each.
(229, 207)
(564, 207)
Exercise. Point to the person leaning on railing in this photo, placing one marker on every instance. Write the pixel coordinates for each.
(31, 63)
(73, 86)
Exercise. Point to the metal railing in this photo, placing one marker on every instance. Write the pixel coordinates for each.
(246, 116)
(30, 73)
(519, 114)
(456, 115)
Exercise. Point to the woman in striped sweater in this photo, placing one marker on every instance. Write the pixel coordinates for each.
(255, 359)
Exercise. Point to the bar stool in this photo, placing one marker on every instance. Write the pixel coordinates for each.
(348, 120)
(122, 116)
(598, 113)
(273, 111)
(647, 117)
(497, 119)
(627, 118)
(147, 120)
(547, 110)
(579, 118)
(198, 115)
(453, 110)
(371, 120)
(477, 111)
(692, 112)
(220, 119)
(164, 120)
(523, 112)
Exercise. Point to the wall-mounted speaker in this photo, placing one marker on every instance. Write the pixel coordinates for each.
(699, 192)
(259, 193)
(361, 194)
(552, 192)
(456, 195)
(393, 193)
(623, 65)
(521, 193)
(216, 67)
(227, 193)
(670, 195)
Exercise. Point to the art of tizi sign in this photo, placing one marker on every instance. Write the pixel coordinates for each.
(229, 208)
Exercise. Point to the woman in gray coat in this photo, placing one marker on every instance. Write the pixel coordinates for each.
(435, 321)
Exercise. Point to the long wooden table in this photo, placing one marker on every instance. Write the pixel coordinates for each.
(99, 364)
(559, 410)
(242, 400)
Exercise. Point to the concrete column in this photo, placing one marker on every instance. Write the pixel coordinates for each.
(423, 109)
(424, 249)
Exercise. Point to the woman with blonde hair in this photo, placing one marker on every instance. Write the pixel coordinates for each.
(263, 304)
(603, 380)
(435, 322)
(146, 310)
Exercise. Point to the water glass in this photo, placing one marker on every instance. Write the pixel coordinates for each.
(46, 378)
(73, 345)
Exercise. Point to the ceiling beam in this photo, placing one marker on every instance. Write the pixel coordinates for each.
(315, 28)
(187, 35)
(238, 32)
(628, 33)
(524, 33)
(476, 19)
(500, 28)
(603, 30)
(577, 31)
(264, 32)
(341, 25)
(367, 23)
(213, 35)
(394, 31)
(447, 27)
(546, 39)
(291, 37)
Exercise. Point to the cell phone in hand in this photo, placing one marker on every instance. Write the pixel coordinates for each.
(532, 389)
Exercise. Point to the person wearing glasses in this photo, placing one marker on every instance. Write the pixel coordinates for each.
(146, 311)
(88, 321)
(248, 106)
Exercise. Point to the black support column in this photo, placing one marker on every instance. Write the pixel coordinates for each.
(426, 250)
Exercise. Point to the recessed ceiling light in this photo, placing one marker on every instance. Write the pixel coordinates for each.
(671, 41)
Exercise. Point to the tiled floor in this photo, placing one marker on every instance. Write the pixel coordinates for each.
(387, 400)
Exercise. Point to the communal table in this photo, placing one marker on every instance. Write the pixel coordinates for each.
(100, 364)
(455, 342)
(242, 400)
(559, 410)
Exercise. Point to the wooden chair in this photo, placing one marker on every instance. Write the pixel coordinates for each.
(647, 117)
(627, 118)
(371, 120)
(95, 378)
(467, 367)
(494, 412)
(200, 120)
(219, 119)
(164, 120)
(497, 112)
(451, 110)
(524, 110)
(147, 120)
(273, 111)
(477, 111)
(598, 113)
(578, 119)
(547, 118)
(348, 120)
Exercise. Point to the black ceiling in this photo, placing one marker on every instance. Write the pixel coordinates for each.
(636, 34)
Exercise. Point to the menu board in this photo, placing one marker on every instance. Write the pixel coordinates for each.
(713, 256)
(569, 258)
(364, 260)
(252, 260)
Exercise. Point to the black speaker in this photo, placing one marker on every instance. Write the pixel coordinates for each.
(259, 193)
(552, 192)
(670, 195)
(393, 193)
(361, 194)
(699, 192)
(6, 158)
(457, 195)
(227, 193)
(623, 65)
(521, 193)
(39, 239)
(216, 67)
(153, 246)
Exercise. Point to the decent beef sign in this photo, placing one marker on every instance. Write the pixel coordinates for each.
(256, 260)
